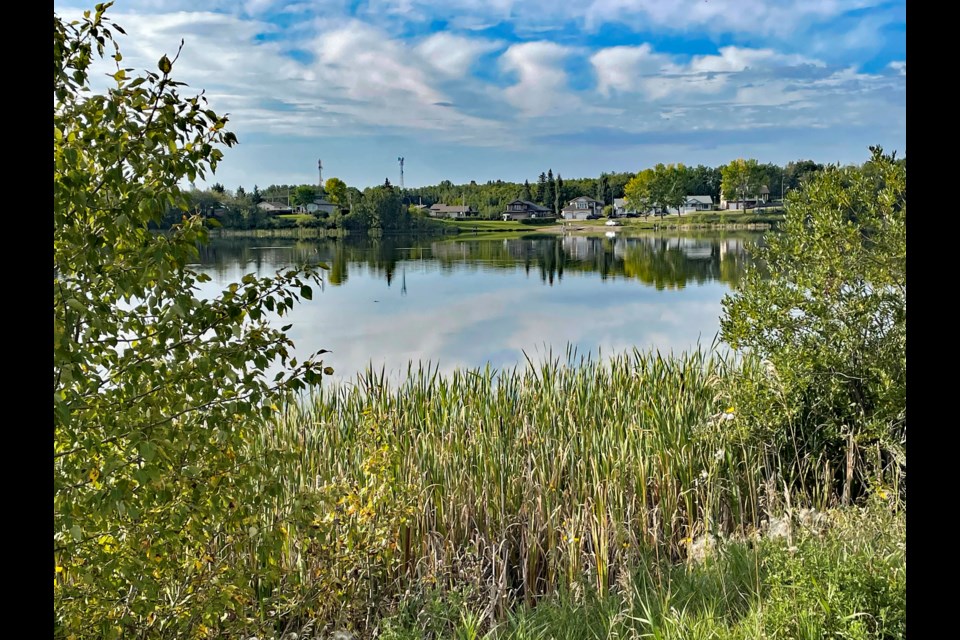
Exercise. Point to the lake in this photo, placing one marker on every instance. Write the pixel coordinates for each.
(465, 303)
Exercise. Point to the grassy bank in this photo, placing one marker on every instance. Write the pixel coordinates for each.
(844, 577)
(513, 500)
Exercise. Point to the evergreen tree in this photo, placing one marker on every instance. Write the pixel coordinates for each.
(525, 194)
(558, 198)
(550, 190)
(602, 188)
(541, 188)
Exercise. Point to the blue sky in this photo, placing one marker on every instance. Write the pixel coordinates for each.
(486, 89)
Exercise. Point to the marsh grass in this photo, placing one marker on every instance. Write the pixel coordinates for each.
(847, 583)
(483, 493)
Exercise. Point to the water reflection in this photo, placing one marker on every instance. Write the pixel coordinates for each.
(665, 262)
(467, 302)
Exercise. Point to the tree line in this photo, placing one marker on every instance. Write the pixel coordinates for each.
(389, 208)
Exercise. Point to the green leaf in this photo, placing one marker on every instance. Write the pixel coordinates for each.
(165, 65)
(306, 292)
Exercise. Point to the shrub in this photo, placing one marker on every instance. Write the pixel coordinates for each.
(830, 326)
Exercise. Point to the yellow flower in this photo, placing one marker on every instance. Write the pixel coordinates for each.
(58, 569)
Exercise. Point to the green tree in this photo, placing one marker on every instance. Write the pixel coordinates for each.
(303, 195)
(336, 190)
(638, 191)
(669, 188)
(830, 324)
(157, 389)
(541, 190)
(525, 194)
(795, 173)
(550, 191)
(741, 178)
(602, 189)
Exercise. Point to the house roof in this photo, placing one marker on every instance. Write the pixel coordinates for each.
(585, 199)
(764, 190)
(530, 205)
(451, 208)
(700, 199)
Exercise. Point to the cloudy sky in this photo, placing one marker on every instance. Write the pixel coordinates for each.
(486, 89)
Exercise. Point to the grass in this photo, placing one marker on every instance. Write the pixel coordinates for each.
(505, 490)
(297, 217)
(849, 582)
(565, 499)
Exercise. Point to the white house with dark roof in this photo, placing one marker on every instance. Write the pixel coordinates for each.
(581, 208)
(697, 203)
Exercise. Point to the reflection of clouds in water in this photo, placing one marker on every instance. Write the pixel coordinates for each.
(463, 314)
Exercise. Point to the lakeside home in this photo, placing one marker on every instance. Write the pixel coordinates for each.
(455, 212)
(524, 210)
(581, 208)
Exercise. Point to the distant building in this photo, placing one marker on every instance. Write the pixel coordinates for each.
(581, 208)
(321, 205)
(456, 211)
(524, 209)
(761, 197)
(622, 206)
(274, 208)
(697, 203)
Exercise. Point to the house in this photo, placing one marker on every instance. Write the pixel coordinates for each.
(322, 206)
(455, 211)
(697, 203)
(581, 208)
(524, 209)
(761, 197)
(274, 208)
(622, 206)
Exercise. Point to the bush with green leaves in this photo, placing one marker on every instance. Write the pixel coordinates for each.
(158, 390)
(829, 325)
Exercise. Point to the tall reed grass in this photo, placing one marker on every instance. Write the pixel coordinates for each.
(526, 482)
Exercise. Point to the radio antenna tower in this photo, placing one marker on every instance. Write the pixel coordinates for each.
(400, 160)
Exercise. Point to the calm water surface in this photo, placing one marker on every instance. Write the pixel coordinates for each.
(466, 303)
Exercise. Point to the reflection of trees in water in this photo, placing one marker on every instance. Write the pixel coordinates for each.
(665, 262)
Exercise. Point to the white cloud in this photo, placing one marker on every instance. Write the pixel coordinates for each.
(452, 54)
(542, 83)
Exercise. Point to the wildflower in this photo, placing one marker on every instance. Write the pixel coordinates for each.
(718, 455)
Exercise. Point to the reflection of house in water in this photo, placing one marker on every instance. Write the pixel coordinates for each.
(580, 247)
(733, 246)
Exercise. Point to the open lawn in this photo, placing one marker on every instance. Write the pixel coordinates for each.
(297, 217)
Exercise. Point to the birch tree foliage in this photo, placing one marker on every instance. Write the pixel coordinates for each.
(157, 390)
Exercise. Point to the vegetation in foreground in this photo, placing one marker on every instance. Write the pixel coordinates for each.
(840, 576)
(194, 498)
